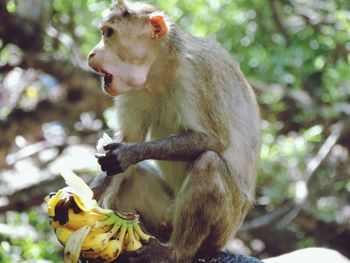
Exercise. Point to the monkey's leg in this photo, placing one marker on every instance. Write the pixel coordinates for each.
(208, 208)
(139, 190)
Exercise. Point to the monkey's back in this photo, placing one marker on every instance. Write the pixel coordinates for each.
(228, 106)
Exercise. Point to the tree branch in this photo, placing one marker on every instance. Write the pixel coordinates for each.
(278, 21)
(19, 201)
(83, 95)
(337, 131)
(24, 33)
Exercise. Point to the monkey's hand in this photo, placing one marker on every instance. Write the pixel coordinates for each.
(153, 252)
(118, 158)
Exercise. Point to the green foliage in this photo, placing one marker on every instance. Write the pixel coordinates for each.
(79, 20)
(11, 6)
(28, 237)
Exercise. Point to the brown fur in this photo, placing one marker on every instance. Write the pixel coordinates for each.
(183, 102)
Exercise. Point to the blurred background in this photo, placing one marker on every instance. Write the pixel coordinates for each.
(295, 54)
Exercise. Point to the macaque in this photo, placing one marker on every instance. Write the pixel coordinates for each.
(183, 103)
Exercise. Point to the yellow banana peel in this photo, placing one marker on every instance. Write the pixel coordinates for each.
(88, 230)
(78, 220)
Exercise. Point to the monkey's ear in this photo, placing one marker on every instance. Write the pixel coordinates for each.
(159, 24)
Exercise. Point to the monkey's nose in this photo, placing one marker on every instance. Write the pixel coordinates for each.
(91, 60)
(91, 55)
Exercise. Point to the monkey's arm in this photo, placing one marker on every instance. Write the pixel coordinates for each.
(184, 147)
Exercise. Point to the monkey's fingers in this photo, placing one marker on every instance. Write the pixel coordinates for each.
(112, 170)
(107, 161)
(112, 146)
(110, 165)
(133, 256)
(153, 251)
(106, 158)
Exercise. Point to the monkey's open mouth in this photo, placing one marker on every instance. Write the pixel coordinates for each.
(108, 83)
(107, 79)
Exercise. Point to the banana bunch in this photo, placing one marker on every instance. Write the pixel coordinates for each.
(87, 230)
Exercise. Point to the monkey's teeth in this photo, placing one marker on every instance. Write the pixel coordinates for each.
(107, 79)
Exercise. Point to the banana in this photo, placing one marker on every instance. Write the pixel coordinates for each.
(76, 221)
(95, 233)
(63, 233)
(141, 234)
(112, 251)
(117, 245)
(109, 221)
(132, 243)
(98, 241)
(91, 255)
(121, 234)
(52, 203)
(74, 244)
(101, 229)
(80, 203)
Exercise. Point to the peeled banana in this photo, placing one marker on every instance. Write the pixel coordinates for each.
(87, 230)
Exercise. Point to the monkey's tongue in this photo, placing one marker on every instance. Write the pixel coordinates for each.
(107, 79)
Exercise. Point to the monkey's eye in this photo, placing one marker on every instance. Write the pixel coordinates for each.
(108, 32)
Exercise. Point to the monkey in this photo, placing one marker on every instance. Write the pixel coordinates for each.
(187, 144)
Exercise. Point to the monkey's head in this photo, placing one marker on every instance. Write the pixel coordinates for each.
(131, 37)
